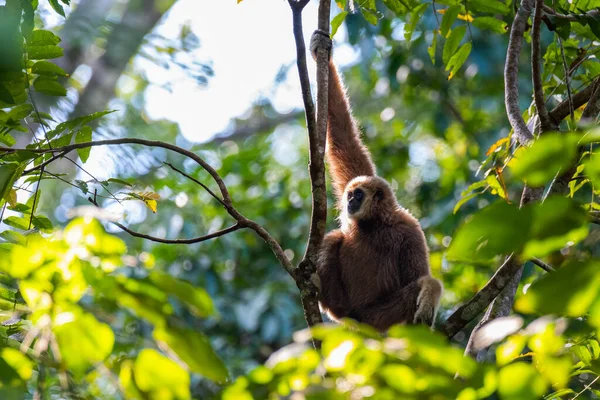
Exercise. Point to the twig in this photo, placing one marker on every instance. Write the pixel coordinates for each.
(195, 181)
(35, 198)
(511, 73)
(542, 265)
(567, 79)
(571, 17)
(42, 165)
(586, 387)
(538, 88)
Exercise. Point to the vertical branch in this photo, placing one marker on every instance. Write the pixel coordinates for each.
(538, 89)
(317, 131)
(511, 73)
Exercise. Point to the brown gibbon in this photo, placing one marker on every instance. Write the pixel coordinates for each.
(375, 267)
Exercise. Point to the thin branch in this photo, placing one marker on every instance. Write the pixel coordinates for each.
(591, 110)
(572, 17)
(42, 165)
(542, 265)
(199, 239)
(567, 78)
(272, 243)
(538, 87)
(511, 73)
(195, 181)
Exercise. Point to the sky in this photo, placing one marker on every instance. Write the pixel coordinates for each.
(247, 44)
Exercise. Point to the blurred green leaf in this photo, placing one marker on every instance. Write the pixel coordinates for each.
(160, 378)
(195, 350)
(51, 88)
(520, 381)
(448, 19)
(491, 23)
(83, 341)
(196, 299)
(458, 59)
(337, 21)
(47, 68)
(549, 154)
(569, 291)
(477, 241)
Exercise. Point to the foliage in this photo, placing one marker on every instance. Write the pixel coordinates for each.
(86, 312)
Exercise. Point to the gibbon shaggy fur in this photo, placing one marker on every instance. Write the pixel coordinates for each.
(375, 267)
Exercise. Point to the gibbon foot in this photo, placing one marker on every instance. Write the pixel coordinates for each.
(320, 40)
(427, 301)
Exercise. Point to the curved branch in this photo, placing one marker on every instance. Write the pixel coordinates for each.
(511, 73)
(542, 264)
(538, 89)
(199, 239)
(227, 202)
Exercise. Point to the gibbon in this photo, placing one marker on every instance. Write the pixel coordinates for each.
(375, 267)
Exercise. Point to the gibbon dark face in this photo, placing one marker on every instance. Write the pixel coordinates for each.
(355, 199)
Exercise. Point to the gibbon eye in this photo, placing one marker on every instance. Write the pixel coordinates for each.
(379, 194)
(358, 194)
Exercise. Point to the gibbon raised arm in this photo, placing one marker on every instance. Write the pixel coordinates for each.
(375, 268)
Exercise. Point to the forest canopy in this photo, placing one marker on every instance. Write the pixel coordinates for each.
(136, 264)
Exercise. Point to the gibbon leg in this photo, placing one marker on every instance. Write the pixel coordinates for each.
(332, 294)
(415, 303)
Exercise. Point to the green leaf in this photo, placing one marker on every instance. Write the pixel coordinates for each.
(463, 200)
(399, 7)
(491, 23)
(76, 122)
(5, 94)
(47, 68)
(13, 237)
(337, 22)
(415, 17)
(452, 43)
(120, 182)
(539, 163)
(475, 241)
(9, 173)
(569, 291)
(557, 222)
(57, 7)
(84, 135)
(82, 185)
(562, 26)
(521, 381)
(42, 223)
(448, 19)
(51, 88)
(44, 52)
(42, 37)
(197, 299)
(82, 339)
(19, 112)
(458, 59)
(489, 6)
(17, 222)
(431, 49)
(195, 350)
(160, 378)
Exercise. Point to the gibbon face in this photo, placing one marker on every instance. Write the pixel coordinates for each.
(368, 197)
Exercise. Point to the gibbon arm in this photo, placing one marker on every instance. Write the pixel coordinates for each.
(332, 294)
(347, 155)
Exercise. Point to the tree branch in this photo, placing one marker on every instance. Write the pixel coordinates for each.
(572, 17)
(482, 299)
(538, 89)
(511, 73)
(563, 109)
(226, 201)
(317, 131)
(199, 239)
(542, 265)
